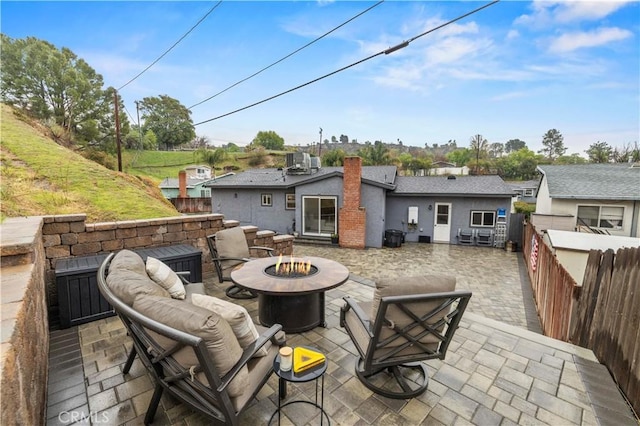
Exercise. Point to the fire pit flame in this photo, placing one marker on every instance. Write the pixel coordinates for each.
(294, 266)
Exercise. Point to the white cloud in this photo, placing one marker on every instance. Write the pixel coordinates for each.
(513, 34)
(572, 41)
(546, 12)
(508, 96)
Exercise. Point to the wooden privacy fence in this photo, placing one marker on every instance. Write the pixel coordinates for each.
(602, 315)
(553, 287)
(606, 317)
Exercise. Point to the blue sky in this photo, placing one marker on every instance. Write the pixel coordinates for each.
(513, 70)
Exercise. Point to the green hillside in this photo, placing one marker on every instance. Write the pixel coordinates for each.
(40, 177)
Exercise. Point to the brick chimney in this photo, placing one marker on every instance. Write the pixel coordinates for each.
(352, 220)
(182, 184)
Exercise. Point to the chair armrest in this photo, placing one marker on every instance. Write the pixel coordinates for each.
(183, 277)
(248, 353)
(359, 313)
(269, 250)
(241, 259)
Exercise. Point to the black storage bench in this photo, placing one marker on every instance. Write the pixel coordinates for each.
(80, 301)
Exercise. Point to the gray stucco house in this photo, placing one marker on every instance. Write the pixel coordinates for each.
(601, 198)
(361, 203)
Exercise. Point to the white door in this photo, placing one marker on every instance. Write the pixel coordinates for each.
(442, 223)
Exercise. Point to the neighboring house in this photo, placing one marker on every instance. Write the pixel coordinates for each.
(170, 188)
(360, 203)
(442, 168)
(525, 190)
(572, 249)
(600, 198)
(195, 188)
(198, 172)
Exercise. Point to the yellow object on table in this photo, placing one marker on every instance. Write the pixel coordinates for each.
(304, 359)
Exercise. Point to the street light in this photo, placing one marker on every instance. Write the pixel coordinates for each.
(320, 143)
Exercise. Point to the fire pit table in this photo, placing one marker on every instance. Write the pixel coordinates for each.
(293, 297)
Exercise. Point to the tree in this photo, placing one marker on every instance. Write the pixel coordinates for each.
(553, 145)
(269, 140)
(599, 152)
(334, 157)
(344, 139)
(628, 152)
(375, 155)
(574, 158)
(460, 157)
(479, 147)
(518, 165)
(57, 86)
(212, 156)
(513, 145)
(168, 119)
(496, 149)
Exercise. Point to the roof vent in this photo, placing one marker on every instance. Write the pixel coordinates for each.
(451, 177)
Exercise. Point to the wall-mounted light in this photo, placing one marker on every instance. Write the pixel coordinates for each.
(430, 207)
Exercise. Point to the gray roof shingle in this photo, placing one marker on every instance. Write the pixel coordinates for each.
(593, 181)
(270, 178)
(460, 186)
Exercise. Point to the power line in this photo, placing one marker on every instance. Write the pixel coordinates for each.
(172, 46)
(289, 55)
(383, 52)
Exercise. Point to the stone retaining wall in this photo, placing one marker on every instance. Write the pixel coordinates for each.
(29, 250)
(69, 236)
(25, 326)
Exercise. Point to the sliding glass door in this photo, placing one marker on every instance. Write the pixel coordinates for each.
(320, 216)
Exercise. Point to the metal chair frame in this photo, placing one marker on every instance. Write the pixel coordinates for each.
(234, 291)
(174, 378)
(385, 355)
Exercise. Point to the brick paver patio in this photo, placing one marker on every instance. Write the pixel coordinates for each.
(499, 370)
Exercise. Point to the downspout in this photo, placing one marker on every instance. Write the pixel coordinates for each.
(634, 218)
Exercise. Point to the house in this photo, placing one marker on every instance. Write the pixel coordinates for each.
(194, 187)
(598, 198)
(525, 190)
(572, 248)
(359, 203)
(198, 172)
(442, 168)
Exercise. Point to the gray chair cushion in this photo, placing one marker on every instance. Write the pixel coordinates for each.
(231, 242)
(128, 278)
(221, 343)
(418, 285)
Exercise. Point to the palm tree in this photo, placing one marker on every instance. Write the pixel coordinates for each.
(211, 157)
(479, 145)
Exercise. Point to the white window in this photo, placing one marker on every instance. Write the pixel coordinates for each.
(205, 193)
(600, 216)
(290, 201)
(483, 218)
(528, 192)
(266, 200)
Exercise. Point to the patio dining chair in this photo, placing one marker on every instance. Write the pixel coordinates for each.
(229, 248)
(410, 320)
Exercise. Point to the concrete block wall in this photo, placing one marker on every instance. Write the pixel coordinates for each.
(24, 351)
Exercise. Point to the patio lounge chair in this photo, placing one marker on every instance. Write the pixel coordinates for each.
(484, 237)
(465, 237)
(409, 320)
(229, 248)
(190, 352)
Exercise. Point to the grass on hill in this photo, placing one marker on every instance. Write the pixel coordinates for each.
(40, 177)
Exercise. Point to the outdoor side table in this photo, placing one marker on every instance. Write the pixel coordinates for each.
(314, 373)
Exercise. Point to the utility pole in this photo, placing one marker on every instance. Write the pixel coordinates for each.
(320, 143)
(139, 125)
(118, 144)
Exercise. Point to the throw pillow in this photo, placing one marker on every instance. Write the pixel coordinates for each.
(237, 317)
(219, 339)
(165, 278)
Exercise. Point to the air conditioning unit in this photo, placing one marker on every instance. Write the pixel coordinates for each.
(298, 163)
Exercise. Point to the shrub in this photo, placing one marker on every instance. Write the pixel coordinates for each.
(101, 157)
(526, 208)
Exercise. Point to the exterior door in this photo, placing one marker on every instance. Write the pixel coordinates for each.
(319, 215)
(442, 223)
